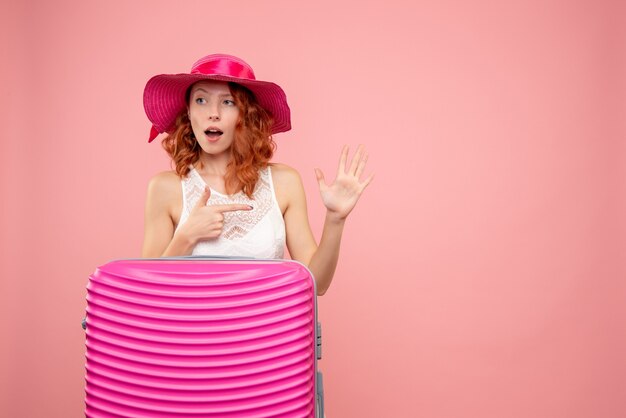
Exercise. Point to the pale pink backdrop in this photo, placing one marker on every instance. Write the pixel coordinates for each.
(482, 274)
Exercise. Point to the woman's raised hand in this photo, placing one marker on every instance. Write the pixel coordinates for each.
(206, 222)
(341, 196)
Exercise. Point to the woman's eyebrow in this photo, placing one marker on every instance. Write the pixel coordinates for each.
(203, 90)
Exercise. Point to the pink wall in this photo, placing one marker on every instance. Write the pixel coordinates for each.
(482, 274)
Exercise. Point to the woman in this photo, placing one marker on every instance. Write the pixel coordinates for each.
(224, 197)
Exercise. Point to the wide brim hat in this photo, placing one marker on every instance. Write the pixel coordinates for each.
(164, 94)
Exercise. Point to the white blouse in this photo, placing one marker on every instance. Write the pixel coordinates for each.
(258, 233)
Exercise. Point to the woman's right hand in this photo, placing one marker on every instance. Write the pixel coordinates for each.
(206, 222)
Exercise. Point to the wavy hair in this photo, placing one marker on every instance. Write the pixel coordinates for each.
(251, 150)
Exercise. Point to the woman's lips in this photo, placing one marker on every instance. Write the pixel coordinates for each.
(213, 135)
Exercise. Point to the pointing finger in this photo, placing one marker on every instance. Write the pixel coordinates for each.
(230, 207)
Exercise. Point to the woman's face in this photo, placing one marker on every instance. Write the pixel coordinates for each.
(213, 115)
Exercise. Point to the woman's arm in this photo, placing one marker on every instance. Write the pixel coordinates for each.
(339, 198)
(159, 238)
(322, 259)
(204, 222)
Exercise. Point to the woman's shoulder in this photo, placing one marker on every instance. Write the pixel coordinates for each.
(164, 185)
(284, 171)
(165, 179)
(287, 185)
(284, 175)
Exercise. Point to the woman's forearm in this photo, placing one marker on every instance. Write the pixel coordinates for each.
(179, 245)
(324, 260)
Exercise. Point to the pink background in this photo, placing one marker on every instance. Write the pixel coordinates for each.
(482, 273)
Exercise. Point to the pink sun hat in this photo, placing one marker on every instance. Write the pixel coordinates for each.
(164, 95)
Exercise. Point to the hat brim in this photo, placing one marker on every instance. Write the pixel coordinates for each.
(164, 99)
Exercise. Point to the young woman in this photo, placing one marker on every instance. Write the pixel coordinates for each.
(224, 196)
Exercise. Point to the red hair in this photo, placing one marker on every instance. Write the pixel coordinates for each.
(251, 149)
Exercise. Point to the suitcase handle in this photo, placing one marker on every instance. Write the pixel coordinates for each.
(205, 257)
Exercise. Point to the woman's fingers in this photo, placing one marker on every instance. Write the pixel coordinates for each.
(366, 182)
(231, 207)
(320, 178)
(343, 159)
(361, 166)
(207, 221)
(356, 159)
(204, 198)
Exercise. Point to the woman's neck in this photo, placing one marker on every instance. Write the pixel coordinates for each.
(213, 164)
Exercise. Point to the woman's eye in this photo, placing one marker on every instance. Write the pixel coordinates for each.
(229, 102)
(200, 100)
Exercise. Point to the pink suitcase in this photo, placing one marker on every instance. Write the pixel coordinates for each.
(202, 337)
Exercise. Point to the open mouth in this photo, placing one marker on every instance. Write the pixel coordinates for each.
(213, 133)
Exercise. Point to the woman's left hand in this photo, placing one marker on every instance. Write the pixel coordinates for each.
(341, 196)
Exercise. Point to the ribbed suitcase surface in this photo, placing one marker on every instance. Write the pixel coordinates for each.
(201, 338)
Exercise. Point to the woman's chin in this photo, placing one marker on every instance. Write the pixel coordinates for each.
(213, 148)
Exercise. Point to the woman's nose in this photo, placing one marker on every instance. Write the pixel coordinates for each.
(213, 112)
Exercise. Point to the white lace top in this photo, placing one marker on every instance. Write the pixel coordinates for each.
(258, 233)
